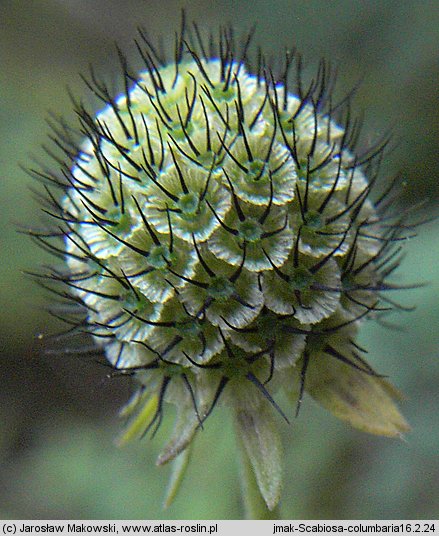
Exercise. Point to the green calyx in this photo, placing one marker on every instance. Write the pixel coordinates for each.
(267, 326)
(123, 221)
(160, 257)
(250, 230)
(220, 288)
(134, 302)
(189, 205)
(221, 94)
(179, 133)
(314, 221)
(287, 121)
(301, 279)
(256, 171)
(236, 366)
(172, 369)
(348, 283)
(189, 328)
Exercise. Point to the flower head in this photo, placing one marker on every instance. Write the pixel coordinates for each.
(221, 246)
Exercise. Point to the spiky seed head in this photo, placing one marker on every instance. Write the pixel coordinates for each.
(221, 244)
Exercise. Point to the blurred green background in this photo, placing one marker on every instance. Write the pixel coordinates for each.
(58, 414)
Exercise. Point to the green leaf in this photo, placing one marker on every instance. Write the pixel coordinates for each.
(258, 432)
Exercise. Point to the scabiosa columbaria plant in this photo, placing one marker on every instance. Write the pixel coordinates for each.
(221, 245)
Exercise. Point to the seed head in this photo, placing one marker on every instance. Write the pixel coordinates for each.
(221, 245)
